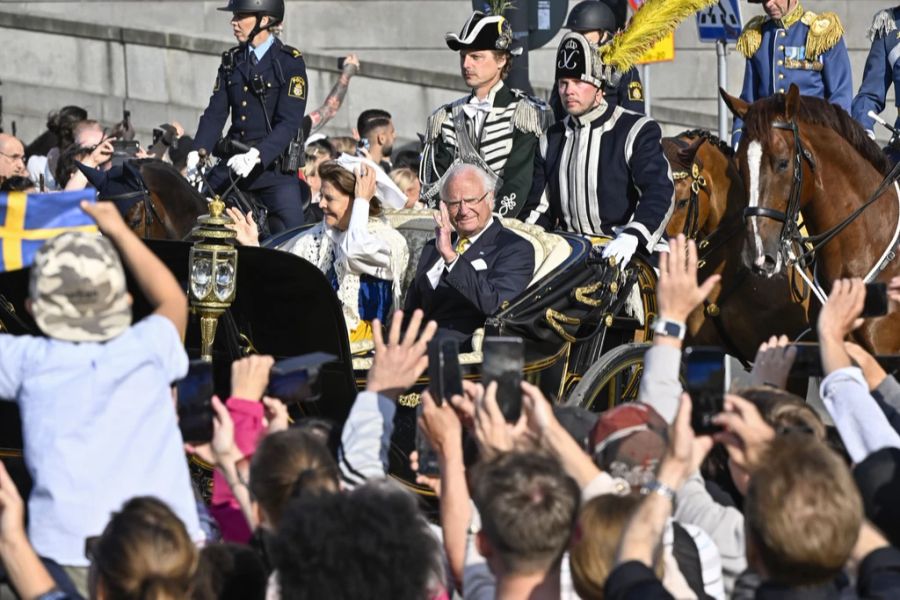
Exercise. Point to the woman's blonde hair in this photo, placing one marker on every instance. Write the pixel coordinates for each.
(345, 181)
(145, 553)
(598, 531)
(403, 177)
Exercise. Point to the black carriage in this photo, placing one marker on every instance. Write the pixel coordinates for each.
(585, 323)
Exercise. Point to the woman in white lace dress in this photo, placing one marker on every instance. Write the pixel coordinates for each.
(357, 249)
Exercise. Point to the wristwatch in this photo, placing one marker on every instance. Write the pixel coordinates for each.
(669, 328)
(657, 487)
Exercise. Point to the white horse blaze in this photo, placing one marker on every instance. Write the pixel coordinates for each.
(754, 161)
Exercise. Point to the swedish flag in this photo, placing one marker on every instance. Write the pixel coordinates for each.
(28, 220)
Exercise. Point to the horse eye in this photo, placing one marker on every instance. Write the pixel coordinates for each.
(682, 203)
(782, 165)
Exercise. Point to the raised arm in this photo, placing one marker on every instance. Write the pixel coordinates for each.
(335, 97)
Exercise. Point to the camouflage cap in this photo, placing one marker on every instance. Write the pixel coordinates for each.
(78, 290)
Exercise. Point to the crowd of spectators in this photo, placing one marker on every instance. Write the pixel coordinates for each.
(563, 503)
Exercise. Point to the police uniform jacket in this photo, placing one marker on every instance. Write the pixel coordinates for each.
(281, 73)
(506, 142)
(601, 174)
(882, 68)
(629, 93)
(804, 48)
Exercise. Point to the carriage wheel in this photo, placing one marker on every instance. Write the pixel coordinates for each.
(615, 378)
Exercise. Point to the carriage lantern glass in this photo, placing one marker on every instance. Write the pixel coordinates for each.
(213, 272)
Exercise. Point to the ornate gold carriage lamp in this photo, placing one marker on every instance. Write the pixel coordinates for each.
(213, 272)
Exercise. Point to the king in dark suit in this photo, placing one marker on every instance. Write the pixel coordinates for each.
(474, 265)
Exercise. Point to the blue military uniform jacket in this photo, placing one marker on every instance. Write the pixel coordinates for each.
(281, 73)
(882, 68)
(802, 48)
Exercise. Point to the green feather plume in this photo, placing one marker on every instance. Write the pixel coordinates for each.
(655, 20)
(498, 6)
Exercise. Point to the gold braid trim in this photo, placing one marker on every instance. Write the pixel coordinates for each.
(751, 38)
(824, 34)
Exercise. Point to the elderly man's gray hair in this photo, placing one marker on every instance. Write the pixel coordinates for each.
(488, 180)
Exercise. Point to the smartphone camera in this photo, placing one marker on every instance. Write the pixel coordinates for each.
(444, 372)
(876, 304)
(504, 360)
(705, 381)
(293, 380)
(194, 404)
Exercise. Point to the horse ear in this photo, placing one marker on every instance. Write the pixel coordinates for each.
(792, 102)
(737, 106)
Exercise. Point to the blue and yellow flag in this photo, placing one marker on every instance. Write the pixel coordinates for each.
(28, 220)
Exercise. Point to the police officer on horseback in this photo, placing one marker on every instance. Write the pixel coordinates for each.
(262, 84)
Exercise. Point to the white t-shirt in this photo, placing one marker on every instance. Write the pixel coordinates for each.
(100, 428)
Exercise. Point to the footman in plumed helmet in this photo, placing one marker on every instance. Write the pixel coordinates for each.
(596, 22)
(494, 127)
(601, 171)
(793, 45)
(262, 85)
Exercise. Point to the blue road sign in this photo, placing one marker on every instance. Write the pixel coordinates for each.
(720, 21)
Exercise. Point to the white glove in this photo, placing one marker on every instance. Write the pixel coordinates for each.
(193, 161)
(622, 248)
(242, 164)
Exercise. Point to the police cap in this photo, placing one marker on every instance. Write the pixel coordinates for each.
(591, 15)
(272, 8)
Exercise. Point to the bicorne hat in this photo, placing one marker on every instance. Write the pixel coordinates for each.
(485, 32)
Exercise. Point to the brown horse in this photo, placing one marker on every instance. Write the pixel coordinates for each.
(168, 208)
(805, 154)
(744, 309)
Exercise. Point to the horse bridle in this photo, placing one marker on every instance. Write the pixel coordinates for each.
(150, 211)
(790, 230)
(698, 182)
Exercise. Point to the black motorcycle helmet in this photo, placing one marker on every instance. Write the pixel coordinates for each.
(591, 15)
(272, 8)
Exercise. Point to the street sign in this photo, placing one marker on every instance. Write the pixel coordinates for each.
(720, 21)
(636, 4)
(662, 51)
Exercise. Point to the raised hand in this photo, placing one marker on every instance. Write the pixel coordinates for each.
(677, 291)
(398, 363)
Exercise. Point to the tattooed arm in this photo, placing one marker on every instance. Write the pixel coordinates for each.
(332, 103)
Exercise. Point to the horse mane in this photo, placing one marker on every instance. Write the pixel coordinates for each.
(180, 199)
(686, 152)
(815, 111)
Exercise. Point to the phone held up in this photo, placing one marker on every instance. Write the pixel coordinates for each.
(294, 380)
(194, 404)
(876, 304)
(706, 379)
(444, 382)
(504, 359)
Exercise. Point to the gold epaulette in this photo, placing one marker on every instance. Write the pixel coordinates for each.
(825, 31)
(751, 38)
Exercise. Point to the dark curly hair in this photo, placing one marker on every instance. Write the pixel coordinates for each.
(370, 543)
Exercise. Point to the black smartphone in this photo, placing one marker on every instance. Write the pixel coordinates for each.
(444, 372)
(341, 62)
(428, 458)
(123, 150)
(504, 360)
(194, 405)
(293, 380)
(363, 144)
(876, 300)
(808, 361)
(705, 380)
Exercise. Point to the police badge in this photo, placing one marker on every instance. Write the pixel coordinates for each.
(297, 87)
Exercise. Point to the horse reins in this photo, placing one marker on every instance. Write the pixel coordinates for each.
(790, 231)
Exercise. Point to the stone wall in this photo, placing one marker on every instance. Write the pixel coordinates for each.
(158, 58)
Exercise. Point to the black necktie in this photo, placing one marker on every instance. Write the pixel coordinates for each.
(253, 60)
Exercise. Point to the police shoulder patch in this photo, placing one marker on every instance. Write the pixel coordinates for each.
(297, 87)
(292, 51)
(635, 91)
(825, 32)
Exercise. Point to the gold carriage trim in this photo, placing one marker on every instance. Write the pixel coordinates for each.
(410, 400)
(557, 319)
(751, 38)
(825, 31)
